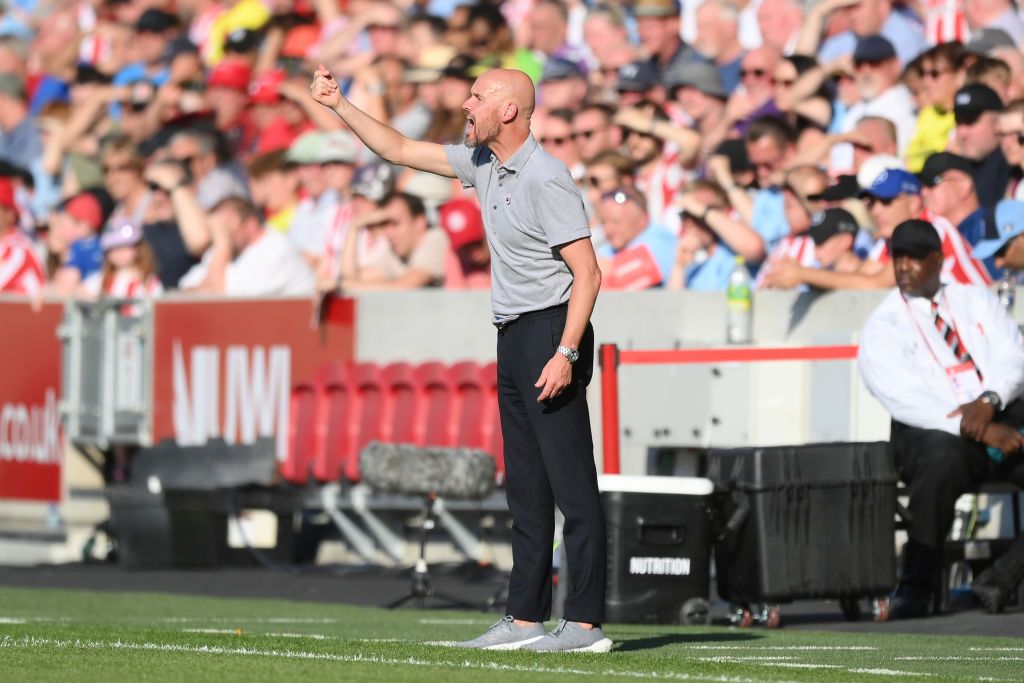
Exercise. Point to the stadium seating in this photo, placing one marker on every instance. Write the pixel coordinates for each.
(348, 405)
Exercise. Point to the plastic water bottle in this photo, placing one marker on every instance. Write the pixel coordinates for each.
(737, 304)
(1007, 294)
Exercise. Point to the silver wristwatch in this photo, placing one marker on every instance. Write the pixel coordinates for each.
(571, 354)
(992, 398)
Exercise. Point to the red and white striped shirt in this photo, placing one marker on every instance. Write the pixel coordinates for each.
(945, 21)
(124, 284)
(958, 265)
(800, 248)
(20, 269)
(660, 187)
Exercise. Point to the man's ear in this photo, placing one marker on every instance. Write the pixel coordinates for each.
(510, 112)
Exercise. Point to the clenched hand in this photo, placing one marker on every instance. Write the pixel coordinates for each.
(324, 88)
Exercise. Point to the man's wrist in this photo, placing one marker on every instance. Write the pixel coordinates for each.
(993, 399)
(570, 353)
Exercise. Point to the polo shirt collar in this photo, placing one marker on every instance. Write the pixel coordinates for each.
(515, 163)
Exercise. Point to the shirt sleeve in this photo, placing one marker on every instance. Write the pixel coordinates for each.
(461, 159)
(196, 274)
(560, 212)
(768, 216)
(1005, 375)
(893, 379)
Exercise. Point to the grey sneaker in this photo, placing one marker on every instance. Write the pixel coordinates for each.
(505, 635)
(569, 636)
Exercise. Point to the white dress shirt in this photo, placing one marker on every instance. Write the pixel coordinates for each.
(903, 358)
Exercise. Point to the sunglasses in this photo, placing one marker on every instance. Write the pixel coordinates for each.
(783, 82)
(1018, 133)
(186, 161)
(933, 73)
(382, 27)
(756, 73)
(134, 107)
(871, 201)
(586, 134)
(556, 141)
(154, 187)
(595, 182)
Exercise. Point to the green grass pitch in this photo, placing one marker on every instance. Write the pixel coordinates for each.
(78, 637)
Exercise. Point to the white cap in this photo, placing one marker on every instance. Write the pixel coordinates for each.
(873, 167)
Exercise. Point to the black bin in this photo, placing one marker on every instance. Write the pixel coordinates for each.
(804, 522)
(189, 528)
(140, 521)
(659, 548)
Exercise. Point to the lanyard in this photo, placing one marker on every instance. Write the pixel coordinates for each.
(952, 323)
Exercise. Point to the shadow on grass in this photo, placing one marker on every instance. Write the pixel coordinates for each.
(651, 642)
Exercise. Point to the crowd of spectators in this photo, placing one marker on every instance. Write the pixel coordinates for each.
(148, 146)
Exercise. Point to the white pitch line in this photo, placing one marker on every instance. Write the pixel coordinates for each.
(460, 622)
(28, 642)
(958, 658)
(889, 672)
(248, 620)
(760, 648)
(996, 649)
(12, 620)
(234, 632)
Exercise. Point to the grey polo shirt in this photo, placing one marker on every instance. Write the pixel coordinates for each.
(530, 205)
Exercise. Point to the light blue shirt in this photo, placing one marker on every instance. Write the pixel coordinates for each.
(769, 217)
(905, 34)
(712, 274)
(660, 242)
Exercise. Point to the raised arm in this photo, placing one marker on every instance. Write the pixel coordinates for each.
(383, 140)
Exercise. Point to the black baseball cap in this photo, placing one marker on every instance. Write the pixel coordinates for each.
(915, 238)
(873, 49)
(637, 77)
(155, 21)
(559, 69)
(845, 187)
(832, 222)
(461, 67)
(973, 100)
(940, 162)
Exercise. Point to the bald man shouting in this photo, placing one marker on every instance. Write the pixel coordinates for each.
(544, 283)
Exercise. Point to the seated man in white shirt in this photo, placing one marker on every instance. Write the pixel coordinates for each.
(246, 259)
(947, 362)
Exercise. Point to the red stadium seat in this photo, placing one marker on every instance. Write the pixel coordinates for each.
(303, 441)
(434, 405)
(398, 417)
(469, 401)
(491, 423)
(337, 406)
(365, 420)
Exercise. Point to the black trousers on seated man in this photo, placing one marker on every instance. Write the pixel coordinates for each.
(549, 460)
(938, 468)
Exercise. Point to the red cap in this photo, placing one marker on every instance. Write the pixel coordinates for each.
(85, 207)
(276, 135)
(263, 89)
(299, 40)
(231, 73)
(7, 194)
(461, 219)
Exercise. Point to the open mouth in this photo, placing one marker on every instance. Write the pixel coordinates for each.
(470, 125)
